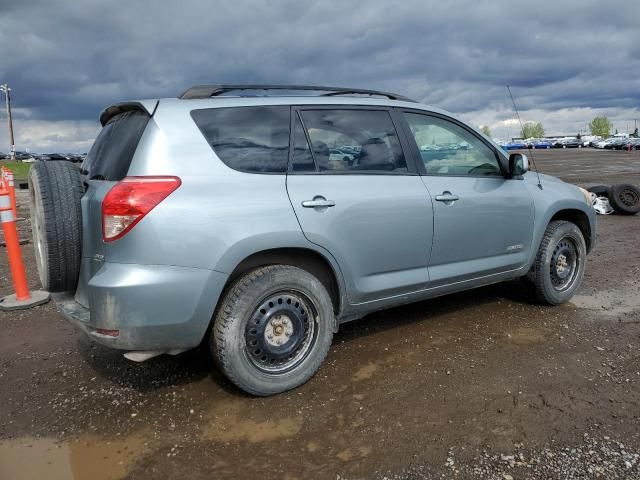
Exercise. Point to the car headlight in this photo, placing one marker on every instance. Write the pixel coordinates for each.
(587, 195)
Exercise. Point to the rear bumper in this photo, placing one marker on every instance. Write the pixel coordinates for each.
(153, 307)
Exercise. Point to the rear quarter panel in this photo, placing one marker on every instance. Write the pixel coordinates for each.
(218, 216)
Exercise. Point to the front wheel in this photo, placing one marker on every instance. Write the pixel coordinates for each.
(273, 329)
(559, 266)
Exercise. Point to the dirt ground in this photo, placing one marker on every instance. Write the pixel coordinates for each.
(482, 384)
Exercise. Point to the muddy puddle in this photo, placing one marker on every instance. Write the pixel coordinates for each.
(618, 302)
(229, 422)
(86, 457)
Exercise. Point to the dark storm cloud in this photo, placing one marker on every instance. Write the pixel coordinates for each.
(67, 59)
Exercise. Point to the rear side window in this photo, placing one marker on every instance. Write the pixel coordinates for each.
(112, 152)
(249, 139)
(349, 141)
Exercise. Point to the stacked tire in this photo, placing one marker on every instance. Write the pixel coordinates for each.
(623, 197)
(56, 188)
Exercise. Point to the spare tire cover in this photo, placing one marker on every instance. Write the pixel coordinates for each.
(56, 220)
(625, 198)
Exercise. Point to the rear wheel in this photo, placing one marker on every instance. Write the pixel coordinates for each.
(55, 189)
(273, 329)
(559, 265)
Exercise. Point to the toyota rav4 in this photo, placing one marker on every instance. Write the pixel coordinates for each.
(223, 217)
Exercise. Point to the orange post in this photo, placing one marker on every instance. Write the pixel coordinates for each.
(23, 298)
(12, 193)
(13, 247)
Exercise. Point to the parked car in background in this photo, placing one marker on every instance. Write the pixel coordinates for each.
(628, 144)
(22, 156)
(515, 145)
(340, 154)
(540, 143)
(605, 142)
(616, 143)
(571, 142)
(588, 139)
(76, 157)
(57, 156)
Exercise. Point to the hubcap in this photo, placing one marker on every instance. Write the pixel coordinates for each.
(281, 332)
(564, 264)
(278, 330)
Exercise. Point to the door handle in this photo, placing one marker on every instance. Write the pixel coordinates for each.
(447, 197)
(318, 202)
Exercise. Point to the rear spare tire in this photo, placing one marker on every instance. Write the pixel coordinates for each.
(55, 190)
(625, 198)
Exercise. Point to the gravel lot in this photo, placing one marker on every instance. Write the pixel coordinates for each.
(482, 384)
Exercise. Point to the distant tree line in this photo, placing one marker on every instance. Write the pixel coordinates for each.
(600, 126)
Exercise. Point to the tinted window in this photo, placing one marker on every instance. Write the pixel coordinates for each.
(249, 139)
(353, 140)
(112, 152)
(448, 149)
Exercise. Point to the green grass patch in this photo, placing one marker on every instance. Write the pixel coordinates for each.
(20, 170)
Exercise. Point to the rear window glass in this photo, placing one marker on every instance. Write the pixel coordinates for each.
(249, 139)
(112, 152)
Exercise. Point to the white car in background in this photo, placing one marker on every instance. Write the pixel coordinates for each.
(587, 139)
(604, 143)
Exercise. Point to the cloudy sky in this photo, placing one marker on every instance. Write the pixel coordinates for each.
(566, 61)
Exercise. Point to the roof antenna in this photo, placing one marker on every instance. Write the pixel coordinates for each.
(533, 160)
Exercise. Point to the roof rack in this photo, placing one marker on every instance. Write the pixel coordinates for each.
(207, 91)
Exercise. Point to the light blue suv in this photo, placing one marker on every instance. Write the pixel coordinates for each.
(223, 216)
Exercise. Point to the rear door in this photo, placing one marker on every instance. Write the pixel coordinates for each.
(483, 221)
(106, 164)
(355, 194)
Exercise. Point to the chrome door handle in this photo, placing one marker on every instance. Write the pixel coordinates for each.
(447, 197)
(318, 202)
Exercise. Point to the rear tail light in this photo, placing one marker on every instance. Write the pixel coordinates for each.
(130, 200)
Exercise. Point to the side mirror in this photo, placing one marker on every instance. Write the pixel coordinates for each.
(518, 164)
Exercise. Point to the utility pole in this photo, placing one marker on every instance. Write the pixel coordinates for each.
(4, 88)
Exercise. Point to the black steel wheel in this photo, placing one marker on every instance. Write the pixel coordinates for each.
(281, 332)
(558, 268)
(273, 329)
(564, 264)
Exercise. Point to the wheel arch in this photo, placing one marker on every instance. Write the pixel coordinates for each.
(580, 219)
(304, 258)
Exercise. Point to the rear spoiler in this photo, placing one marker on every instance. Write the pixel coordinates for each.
(148, 106)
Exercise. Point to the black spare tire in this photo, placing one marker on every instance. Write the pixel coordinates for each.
(55, 190)
(625, 198)
(599, 190)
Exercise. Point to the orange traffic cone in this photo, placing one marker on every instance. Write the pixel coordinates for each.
(23, 298)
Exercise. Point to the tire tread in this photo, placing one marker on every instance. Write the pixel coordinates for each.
(60, 190)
